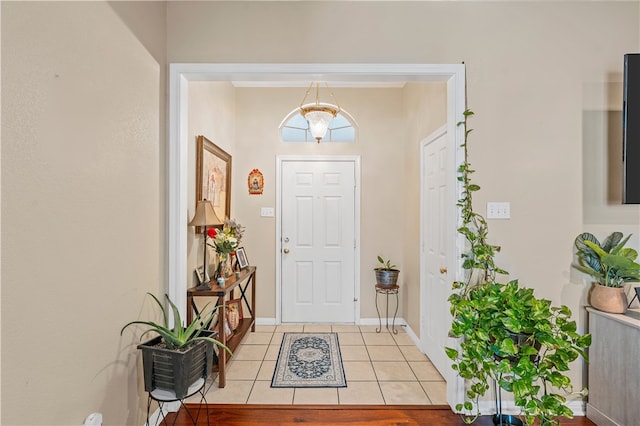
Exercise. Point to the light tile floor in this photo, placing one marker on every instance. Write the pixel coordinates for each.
(380, 368)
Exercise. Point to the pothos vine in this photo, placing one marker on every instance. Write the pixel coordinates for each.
(480, 256)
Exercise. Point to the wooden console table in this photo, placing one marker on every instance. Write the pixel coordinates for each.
(247, 277)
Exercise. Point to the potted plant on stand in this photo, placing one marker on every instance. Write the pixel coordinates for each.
(611, 264)
(179, 355)
(386, 274)
(520, 343)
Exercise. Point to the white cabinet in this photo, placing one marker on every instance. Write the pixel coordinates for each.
(614, 369)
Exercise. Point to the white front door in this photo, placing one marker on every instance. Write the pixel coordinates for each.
(437, 216)
(318, 241)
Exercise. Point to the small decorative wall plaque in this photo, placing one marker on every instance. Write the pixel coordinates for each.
(255, 182)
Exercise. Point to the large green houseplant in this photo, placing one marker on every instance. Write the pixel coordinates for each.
(509, 336)
(611, 264)
(180, 354)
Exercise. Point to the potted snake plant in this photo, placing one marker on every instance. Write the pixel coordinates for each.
(611, 264)
(180, 354)
(507, 335)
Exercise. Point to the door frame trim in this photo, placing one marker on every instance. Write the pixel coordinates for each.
(175, 243)
(280, 160)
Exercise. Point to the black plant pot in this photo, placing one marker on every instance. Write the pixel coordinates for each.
(175, 370)
(519, 340)
(506, 420)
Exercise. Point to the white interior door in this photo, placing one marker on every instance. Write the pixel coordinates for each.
(318, 241)
(437, 216)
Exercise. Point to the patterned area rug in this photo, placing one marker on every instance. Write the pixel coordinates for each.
(309, 360)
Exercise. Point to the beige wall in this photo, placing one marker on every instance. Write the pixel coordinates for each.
(82, 205)
(424, 107)
(83, 155)
(211, 114)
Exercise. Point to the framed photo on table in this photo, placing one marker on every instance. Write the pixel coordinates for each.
(202, 275)
(234, 313)
(227, 329)
(243, 262)
(235, 305)
(213, 177)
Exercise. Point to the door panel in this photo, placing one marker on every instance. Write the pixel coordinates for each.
(318, 241)
(436, 213)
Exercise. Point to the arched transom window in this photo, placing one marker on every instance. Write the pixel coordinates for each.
(295, 128)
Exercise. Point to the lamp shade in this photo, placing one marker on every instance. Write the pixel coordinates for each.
(205, 215)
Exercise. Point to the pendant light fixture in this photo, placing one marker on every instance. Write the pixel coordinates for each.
(318, 114)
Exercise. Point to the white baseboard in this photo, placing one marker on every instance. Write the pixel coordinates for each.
(400, 322)
(599, 418)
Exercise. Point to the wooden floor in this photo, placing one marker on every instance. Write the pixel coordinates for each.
(289, 415)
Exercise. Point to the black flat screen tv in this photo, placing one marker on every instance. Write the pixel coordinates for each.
(631, 129)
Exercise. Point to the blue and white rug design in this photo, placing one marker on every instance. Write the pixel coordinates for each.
(309, 360)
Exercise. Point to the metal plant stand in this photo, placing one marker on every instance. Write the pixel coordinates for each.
(387, 290)
(500, 419)
(162, 396)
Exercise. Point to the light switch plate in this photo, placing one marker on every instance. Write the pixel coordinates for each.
(267, 212)
(498, 210)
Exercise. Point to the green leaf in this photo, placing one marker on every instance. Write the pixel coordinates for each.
(584, 341)
(451, 353)
(507, 347)
(164, 313)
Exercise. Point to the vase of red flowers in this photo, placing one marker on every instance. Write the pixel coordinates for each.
(225, 241)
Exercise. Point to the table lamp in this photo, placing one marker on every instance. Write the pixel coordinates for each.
(205, 216)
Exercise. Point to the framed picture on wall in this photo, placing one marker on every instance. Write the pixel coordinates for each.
(213, 177)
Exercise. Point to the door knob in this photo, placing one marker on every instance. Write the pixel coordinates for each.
(443, 270)
(286, 251)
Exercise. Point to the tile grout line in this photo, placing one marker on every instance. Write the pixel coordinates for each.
(366, 346)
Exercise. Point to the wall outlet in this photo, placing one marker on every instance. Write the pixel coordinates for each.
(498, 210)
(267, 212)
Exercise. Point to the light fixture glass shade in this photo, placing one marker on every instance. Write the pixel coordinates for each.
(318, 114)
(205, 215)
(319, 117)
